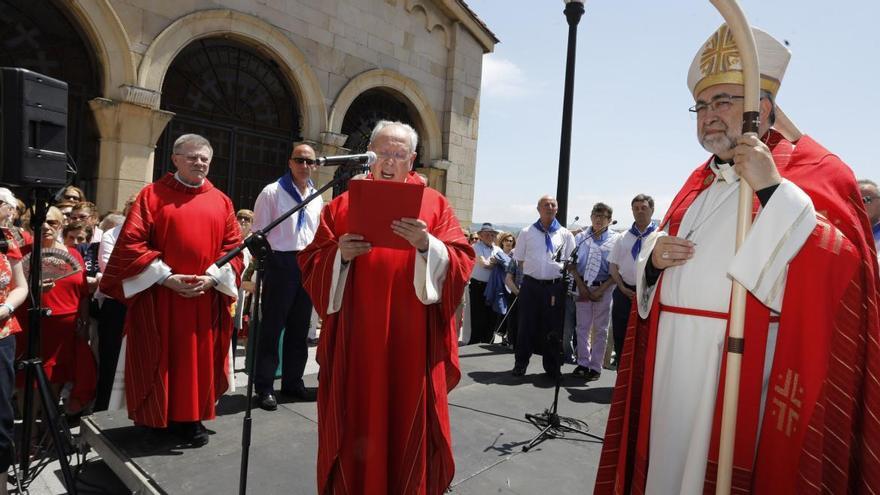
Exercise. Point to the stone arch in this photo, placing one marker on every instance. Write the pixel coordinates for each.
(105, 32)
(252, 31)
(405, 88)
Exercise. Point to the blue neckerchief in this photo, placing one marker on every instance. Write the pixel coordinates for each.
(876, 231)
(553, 228)
(286, 183)
(637, 246)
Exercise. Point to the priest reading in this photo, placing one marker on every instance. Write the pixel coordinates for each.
(178, 323)
(807, 416)
(388, 349)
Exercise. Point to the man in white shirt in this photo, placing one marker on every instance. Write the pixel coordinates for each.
(541, 249)
(285, 304)
(622, 263)
(483, 319)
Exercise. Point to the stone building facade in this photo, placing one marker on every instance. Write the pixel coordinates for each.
(254, 76)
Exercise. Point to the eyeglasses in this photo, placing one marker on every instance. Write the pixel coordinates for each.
(868, 199)
(304, 161)
(398, 157)
(195, 158)
(719, 104)
(72, 197)
(244, 220)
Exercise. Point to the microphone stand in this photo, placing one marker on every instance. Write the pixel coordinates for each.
(259, 248)
(32, 365)
(549, 422)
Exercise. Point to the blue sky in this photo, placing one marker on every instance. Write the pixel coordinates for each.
(632, 132)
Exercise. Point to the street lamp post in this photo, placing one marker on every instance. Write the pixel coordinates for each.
(574, 9)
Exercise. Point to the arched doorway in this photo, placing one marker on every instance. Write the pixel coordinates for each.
(39, 36)
(370, 107)
(240, 101)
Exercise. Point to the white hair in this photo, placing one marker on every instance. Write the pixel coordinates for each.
(191, 139)
(413, 135)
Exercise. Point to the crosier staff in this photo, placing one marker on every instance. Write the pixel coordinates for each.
(745, 41)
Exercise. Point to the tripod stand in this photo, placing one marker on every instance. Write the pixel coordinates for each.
(549, 422)
(259, 248)
(33, 365)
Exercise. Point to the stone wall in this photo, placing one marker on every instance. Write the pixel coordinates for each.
(427, 53)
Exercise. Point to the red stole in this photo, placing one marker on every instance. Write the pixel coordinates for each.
(820, 420)
(176, 358)
(387, 361)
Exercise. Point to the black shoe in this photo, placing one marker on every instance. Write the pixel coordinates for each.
(193, 433)
(580, 372)
(593, 375)
(518, 371)
(266, 402)
(301, 394)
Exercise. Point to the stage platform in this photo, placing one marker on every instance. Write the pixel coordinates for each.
(487, 416)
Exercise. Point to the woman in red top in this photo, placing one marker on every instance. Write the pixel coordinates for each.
(64, 334)
(13, 290)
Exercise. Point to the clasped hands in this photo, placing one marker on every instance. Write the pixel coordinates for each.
(189, 285)
(415, 231)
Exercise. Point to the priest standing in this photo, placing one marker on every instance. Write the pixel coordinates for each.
(178, 322)
(807, 419)
(388, 349)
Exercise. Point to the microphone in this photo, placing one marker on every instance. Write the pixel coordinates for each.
(367, 158)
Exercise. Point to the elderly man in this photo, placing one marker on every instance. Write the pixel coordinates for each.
(178, 322)
(286, 305)
(541, 249)
(483, 319)
(594, 283)
(807, 411)
(622, 264)
(388, 348)
(871, 197)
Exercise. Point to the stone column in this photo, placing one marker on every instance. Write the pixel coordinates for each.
(129, 132)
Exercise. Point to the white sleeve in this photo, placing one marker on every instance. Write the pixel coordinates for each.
(780, 230)
(337, 285)
(225, 278)
(645, 294)
(108, 240)
(262, 210)
(430, 271)
(158, 271)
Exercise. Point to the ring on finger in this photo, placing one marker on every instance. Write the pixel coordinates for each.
(665, 255)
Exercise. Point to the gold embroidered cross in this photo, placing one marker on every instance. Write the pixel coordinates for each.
(788, 403)
(720, 54)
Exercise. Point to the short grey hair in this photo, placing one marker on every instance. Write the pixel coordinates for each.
(413, 135)
(867, 182)
(193, 140)
(771, 119)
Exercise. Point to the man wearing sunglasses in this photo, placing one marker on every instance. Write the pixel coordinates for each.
(807, 414)
(286, 305)
(871, 198)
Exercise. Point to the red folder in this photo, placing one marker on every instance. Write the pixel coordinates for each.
(374, 204)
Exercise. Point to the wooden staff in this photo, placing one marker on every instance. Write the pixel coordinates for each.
(745, 41)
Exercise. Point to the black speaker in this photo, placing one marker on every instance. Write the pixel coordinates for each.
(33, 129)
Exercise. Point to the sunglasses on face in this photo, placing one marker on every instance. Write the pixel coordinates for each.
(72, 197)
(304, 161)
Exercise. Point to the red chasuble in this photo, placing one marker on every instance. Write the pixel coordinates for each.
(820, 430)
(177, 350)
(387, 360)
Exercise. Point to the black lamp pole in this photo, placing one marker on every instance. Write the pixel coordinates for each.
(574, 9)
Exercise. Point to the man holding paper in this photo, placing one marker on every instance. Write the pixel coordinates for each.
(388, 349)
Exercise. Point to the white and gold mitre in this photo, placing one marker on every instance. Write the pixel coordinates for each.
(718, 61)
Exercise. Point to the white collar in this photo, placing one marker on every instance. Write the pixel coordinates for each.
(723, 171)
(176, 176)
